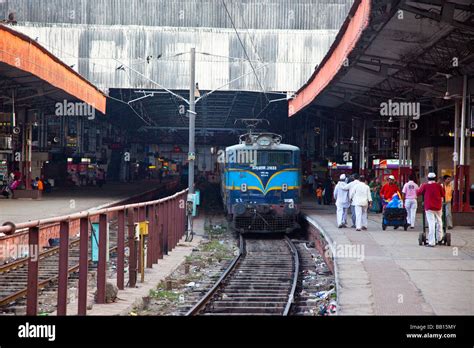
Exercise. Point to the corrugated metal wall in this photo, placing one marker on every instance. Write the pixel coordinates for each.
(255, 14)
(135, 29)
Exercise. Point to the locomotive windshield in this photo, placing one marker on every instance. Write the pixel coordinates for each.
(260, 158)
(274, 158)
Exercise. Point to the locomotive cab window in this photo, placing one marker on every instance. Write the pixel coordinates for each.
(274, 158)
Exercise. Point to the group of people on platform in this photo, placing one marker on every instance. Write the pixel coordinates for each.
(16, 181)
(96, 178)
(355, 193)
(322, 188)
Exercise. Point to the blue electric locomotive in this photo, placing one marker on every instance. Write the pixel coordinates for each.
(261, 184)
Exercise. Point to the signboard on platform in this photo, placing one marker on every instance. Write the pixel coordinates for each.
(388, 163)
(143, 228)
(3, 170)
(335, 165)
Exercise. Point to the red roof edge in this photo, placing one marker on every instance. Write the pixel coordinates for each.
(356, 22)
(20, 51)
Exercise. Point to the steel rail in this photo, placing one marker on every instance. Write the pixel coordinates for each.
(296, 262)
(21, 293)
(7, 267)
(199, 306)
(207, 297)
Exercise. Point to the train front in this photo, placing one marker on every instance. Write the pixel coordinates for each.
(263, 185)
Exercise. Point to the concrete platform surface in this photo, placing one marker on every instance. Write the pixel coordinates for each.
(131, 297)
(391, 274)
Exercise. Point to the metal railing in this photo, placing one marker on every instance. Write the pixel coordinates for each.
(166, 225)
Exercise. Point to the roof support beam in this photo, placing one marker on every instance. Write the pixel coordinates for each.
(215, 129)
(436, 17)
(414, 85)
(441, 2)
(382, 73)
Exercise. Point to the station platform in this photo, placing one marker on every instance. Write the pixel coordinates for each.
(392, 274)
(64, 201)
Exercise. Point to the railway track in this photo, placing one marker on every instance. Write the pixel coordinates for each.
(14, 276)
(261, 280)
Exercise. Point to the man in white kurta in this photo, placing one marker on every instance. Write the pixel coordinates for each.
(361, 199)
(350, 187)
(342, 201)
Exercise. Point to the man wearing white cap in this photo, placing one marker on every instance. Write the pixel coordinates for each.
(350, 187)
(388, 190)
(342, 201)
(433, 193)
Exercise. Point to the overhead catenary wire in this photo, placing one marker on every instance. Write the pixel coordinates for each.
(250, 36)
(164, 58)
(245, 51)
(154, 82)
(131, 107)
(131, 68)
(70, 55)
(227, 57)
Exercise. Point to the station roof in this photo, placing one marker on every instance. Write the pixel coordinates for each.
(155, 114)
(393, 49)
(35, 71)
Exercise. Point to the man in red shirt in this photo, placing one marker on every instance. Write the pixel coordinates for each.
(433, 193)
(388, 190)
(16, 174)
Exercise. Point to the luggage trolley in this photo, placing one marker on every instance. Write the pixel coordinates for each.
(395, 217)
(422, 240)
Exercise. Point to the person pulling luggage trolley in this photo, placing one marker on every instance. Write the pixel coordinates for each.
(433, 194)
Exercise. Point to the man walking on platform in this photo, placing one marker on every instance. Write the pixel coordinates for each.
(433, 193)
(353, 181)
(342, 201)
(310, 181)
(409, 197)
(361, 199)
(448, 197)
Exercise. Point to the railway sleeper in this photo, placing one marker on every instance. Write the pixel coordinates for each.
(282, 298)
(257, 271)
(260, 283)
(248, 310)
(250, 295)
(255, 304)
(239, 289)
(236, 314)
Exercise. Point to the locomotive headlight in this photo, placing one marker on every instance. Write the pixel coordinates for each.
(284, 187)
(239, 209)
(243, 187)
(264, 141)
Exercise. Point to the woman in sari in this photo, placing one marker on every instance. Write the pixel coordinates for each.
(375, 187)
